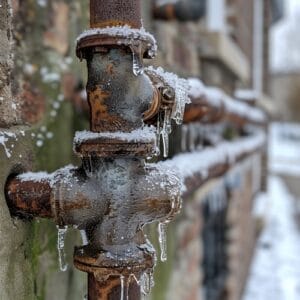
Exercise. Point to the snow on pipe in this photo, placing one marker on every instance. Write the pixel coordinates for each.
(207, 98)
(196, 167)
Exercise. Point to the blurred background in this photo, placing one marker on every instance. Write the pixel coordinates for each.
(238, 235)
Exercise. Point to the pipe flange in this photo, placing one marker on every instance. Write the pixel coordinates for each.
(110, 37)
(138, 143)
(104, 264)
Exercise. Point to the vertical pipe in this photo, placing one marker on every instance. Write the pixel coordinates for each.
(115, 13)
(111, 289)
(105, 13)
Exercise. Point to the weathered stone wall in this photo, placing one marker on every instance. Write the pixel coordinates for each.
(39, 75)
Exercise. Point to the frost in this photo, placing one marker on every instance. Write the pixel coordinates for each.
(35, 177)
(127, 36)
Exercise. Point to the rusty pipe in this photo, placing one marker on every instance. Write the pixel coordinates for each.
(184, 10)
(115, 13)
(116, 96)
(71, 197)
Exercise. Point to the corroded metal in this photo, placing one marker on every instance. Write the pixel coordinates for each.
(115, 13)
(28, 199)
(117, 97)
(110, 289)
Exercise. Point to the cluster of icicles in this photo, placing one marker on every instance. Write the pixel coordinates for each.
(176, 113)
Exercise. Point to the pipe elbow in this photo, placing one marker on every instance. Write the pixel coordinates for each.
(117, 97)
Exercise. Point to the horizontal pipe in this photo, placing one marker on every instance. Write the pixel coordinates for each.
(196, 168)
(189, 10)
(29, 198)
(211, 105)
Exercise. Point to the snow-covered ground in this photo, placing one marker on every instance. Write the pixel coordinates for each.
(275, 272)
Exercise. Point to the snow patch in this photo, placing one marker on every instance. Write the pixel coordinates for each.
(4, 138)
(275, 269)
(146, 134)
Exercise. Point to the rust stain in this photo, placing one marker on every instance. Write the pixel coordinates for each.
(33, 104)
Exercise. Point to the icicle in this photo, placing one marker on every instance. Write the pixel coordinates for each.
(122, 280)
(165, 139)
(184, 130)
(146, 282)
(61, 247)
(166, 130)
(138, 66)
(84, 237)
(162, 238)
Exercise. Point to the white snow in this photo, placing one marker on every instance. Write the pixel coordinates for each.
(275, 271)
(146, 134)
(4, 137)
(200, 162)
(285, 41)
(284, 148)
(34, 176)
(197, 88)
(246, 95)
(217, 98)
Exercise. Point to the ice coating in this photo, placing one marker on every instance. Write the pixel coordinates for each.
(146, 282)
(181, 89)
(61, 234)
